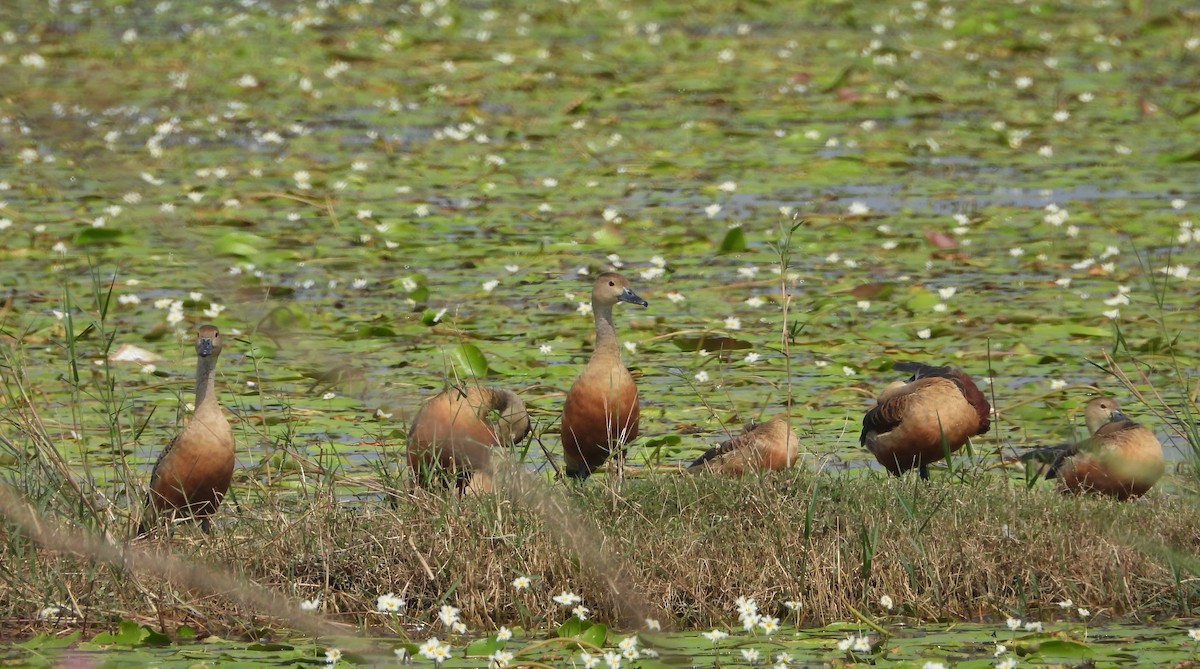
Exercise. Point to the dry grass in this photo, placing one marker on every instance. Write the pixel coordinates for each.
(675, 547)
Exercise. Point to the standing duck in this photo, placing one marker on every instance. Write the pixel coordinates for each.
(770, 445)
(1121, 459)
(193, 472)
(455, 431)
(601, 413)
(919, 421)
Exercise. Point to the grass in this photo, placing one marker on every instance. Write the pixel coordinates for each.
(676, 548)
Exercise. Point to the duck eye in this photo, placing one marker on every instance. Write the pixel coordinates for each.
(611, 283)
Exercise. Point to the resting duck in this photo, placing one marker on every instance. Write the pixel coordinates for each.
(601, 413)
(770, 445)
(919, 421)
(1121, 459)
(455, 431)
(193, 472)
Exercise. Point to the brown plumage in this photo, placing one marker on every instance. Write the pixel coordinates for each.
(766, 446)
(919, 421)
(1121, 459)
(455, 431)
(601, 412)
(193, 472)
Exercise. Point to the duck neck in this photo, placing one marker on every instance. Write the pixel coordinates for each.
(606, 333)
(205, 381)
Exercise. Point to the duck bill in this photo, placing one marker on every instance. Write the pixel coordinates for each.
(631, 297)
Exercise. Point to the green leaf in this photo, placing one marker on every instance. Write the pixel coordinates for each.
(239, 243)
(734, 241)
(469, 361)
(483, 647)
(91, 236)
(50, 642)
(572, 627)
(595, 634)
(1063, 649)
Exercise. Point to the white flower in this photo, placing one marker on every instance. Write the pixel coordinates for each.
(752, 357)
(1083, 613)
(434, 650)
(733, 323)
(1013, 623)
(500, 658)
(1059, 384)
(793, 605)
(388, 603)
(701, 376)
(613, 660)
(862, 644)
(845, 644)
(716, 635)
(489, 286)
(581, 612)
(858, 209)
(544, 349)
(933, 665)
(783, 659)
(755, 301)
(751, 655)
(653, 625)
(848, 371)
(448, 615)
(675, 297)
(769, 624)
(332, 656)
(731, 186)
(1194, 634)
(565, 598)
(886, 602)
(1010, 663)
(589, 661)
(712, 210)
(459, 627)
(1062, 115)
(1000, 650)
(310, 604)
(329, 395)
(1033, 627)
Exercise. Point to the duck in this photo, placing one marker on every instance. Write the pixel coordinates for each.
(1120, 459)
(919, 421)
(192, 474)
(601, 413)
(760, 446)
(454, 432)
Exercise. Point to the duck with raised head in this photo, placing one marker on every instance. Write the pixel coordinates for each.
(601, 413)
(760, 446)
(1121, 459)
(453, 434)
(193, 472)
(919, 421)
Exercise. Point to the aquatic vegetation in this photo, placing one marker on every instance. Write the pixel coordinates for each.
(370, 201)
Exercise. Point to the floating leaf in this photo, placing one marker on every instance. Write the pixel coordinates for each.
(94, 236)
(734, 241)
(239, 243)
(710, 342)
(469, 361)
